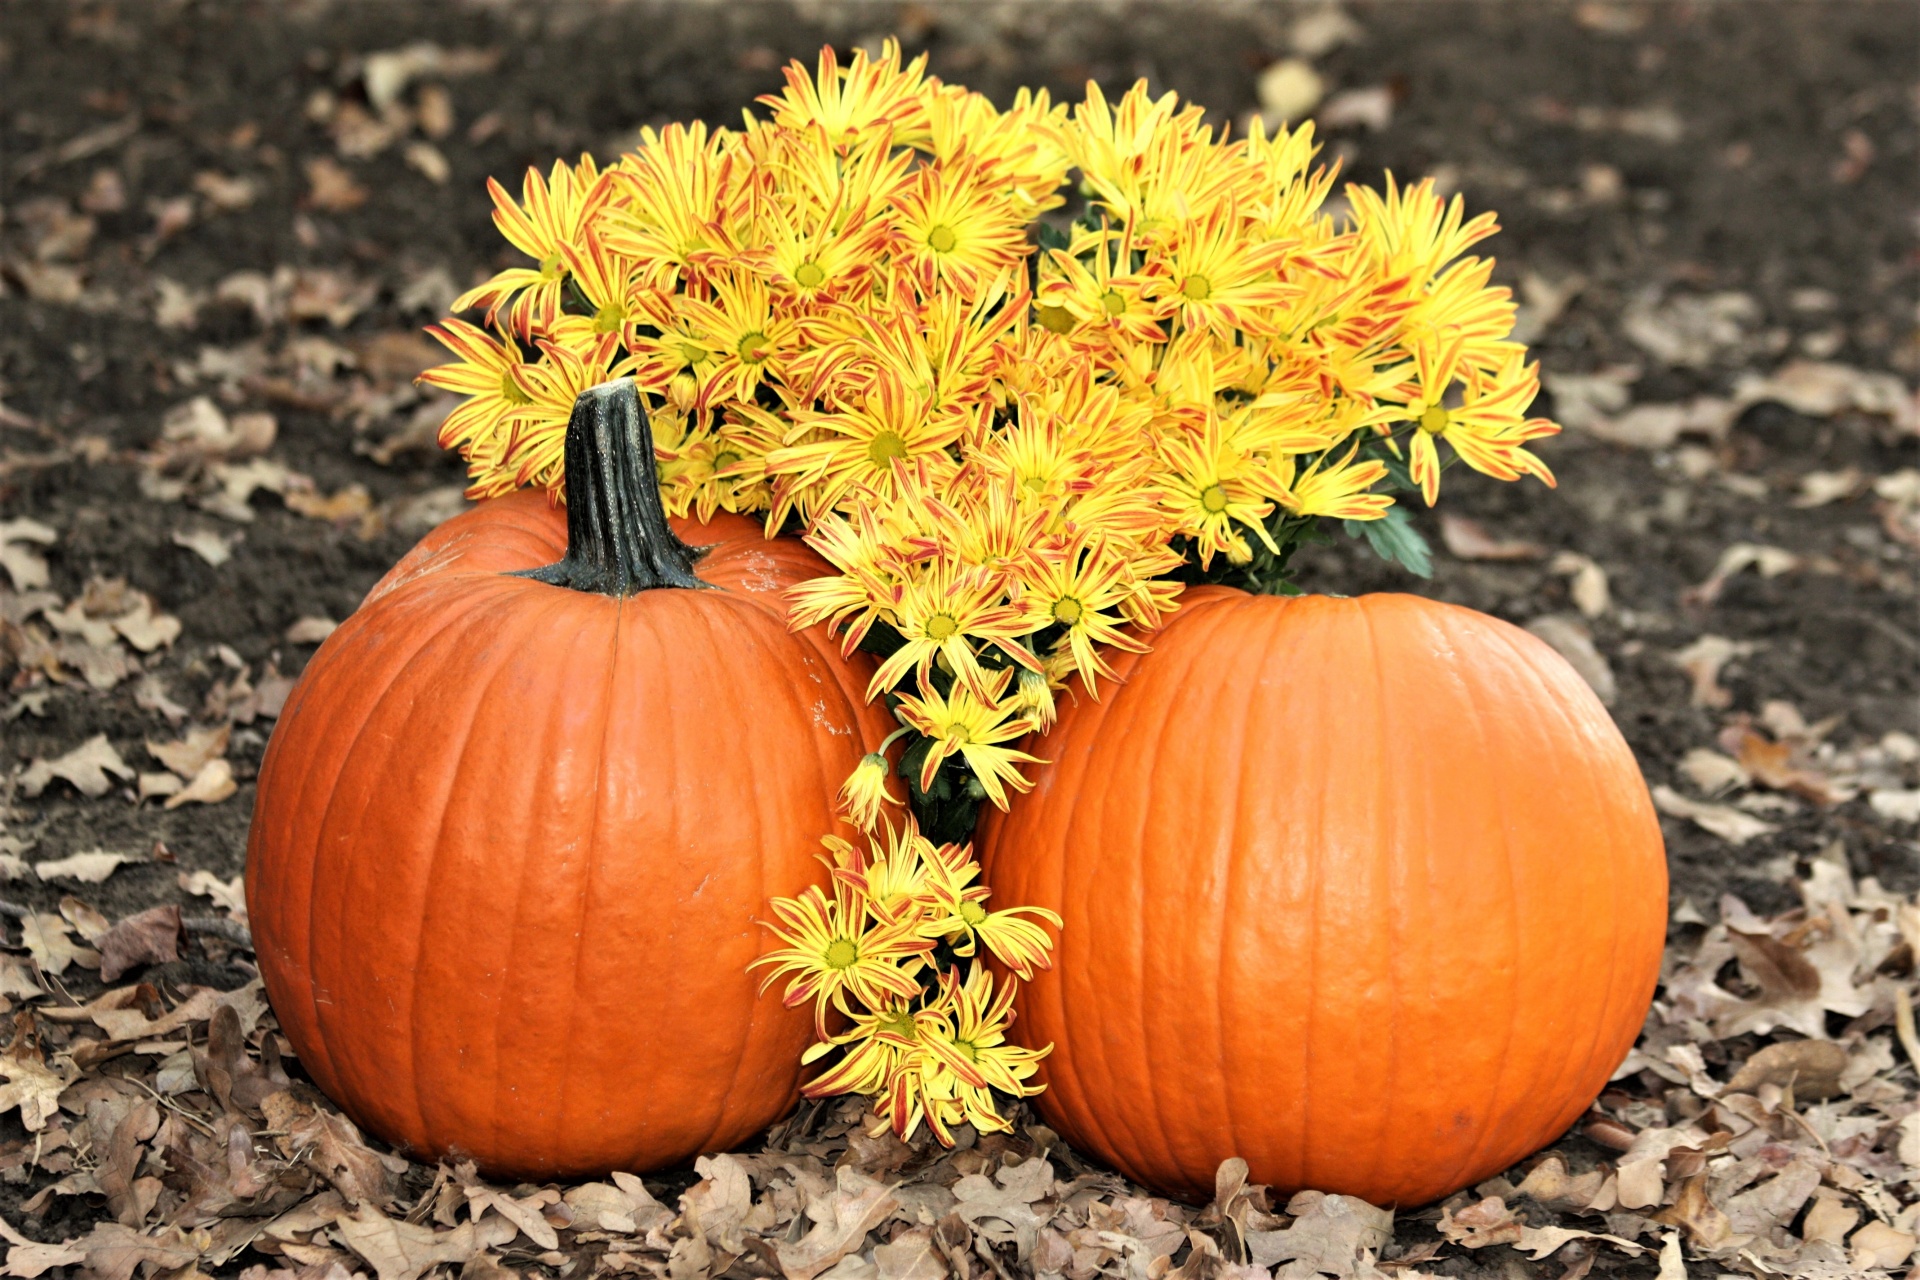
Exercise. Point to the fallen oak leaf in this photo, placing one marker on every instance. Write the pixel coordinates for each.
(91, 925)
(856, 1205)
(230, 895)
(1543, 1242)
(45, 938)
(524, 1213)
(1468, 539)
(32, 1085)
(150, 937)
(211, 547)
(1767, 561)
(187, 756)
(1329, 1233)
(211, 785)
(29, 1258)
(1773, 765)
(147, 629)
(401, 1250)
(1486, 1222)
(1728, 823)
(90, 867)
(1702, 661)
(331, 1146)
(27, 568)
(87, 767)
(311, 630)
(114, 1251)
(132, 1024)
(1587, 582)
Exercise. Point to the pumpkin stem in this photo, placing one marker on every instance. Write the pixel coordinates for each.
(618, 540)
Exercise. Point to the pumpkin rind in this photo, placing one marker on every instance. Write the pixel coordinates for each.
(510, 837)
(1369, 892)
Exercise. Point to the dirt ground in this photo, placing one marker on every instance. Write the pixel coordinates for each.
(1708, 211)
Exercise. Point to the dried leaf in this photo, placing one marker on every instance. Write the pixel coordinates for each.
(311, 630)
(149, 937)
(332, 189)
(1468, 539)
(912, 1255)
(1769, 562)
(1776, 1201)
(1728, 823)
(115, 1250)
(87, 767)
(1811, 1068)
(856, 1205)
(230, 895)
(211, 785)
(26, 568)
(189, 755)
(45, 938)
(31, 1085)
(211, 547)
(91, 867)
(332, 1147)
(1879, 1245)
(1486, 1222)
(1330, 1233)
(399, 1250)
(1703, 659)
(1588, 582)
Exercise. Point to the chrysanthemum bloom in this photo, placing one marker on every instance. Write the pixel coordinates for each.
(1015, 441)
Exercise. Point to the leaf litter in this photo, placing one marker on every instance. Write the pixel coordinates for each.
(1765, 1124)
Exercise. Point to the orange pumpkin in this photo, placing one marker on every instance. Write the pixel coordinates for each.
(514, 824)
(1369, 892)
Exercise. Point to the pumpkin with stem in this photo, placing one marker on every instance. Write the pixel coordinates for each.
(1369, 892)
(517, 816)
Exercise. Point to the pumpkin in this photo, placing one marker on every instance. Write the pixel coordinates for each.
(1369, 892)
(515, 822)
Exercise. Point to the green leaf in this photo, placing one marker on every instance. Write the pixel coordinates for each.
(1051, 237)
(1394, 538)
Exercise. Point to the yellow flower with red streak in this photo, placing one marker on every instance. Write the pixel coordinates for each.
(836, 952)
(1013, 439)
(543, 225)
(976, 729)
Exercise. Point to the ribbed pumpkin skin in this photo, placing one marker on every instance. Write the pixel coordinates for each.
(1369, 892)
(509, 839)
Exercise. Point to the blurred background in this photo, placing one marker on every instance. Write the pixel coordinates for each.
(226, 219)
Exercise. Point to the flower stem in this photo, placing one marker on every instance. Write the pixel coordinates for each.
(618, 540)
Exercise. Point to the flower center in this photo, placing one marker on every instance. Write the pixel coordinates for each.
(842, 953)
(972, 912)
(1066, 610)
(966, 1047)
(897, 1022)
(692, 353)
(1197, 288)
(809, 275)
(941, 239)
(1055, 319)
(1434, 420)
(724, 459)
(940, 626)
(1112, 303)
(1214, 499)
(551, 267)
(609, 318)
(510, 389)
(885, 447)
(753, 347)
